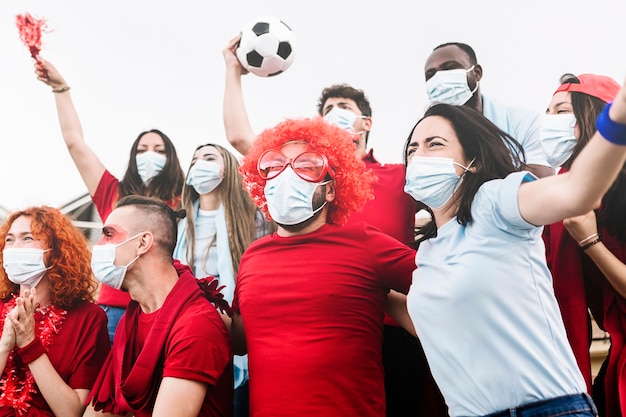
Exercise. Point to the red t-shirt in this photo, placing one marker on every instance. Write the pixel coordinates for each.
(198, 349)
(77, 353)
(104, 198)
(312, 308)
(392, 210)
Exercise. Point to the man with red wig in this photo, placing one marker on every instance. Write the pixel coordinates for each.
(310, 298)
(409, 387)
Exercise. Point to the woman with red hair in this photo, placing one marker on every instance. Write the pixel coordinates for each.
(54, 337)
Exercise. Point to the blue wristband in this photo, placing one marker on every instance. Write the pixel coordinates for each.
(612, 131)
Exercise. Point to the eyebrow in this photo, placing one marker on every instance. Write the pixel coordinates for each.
(110, 229)
(431, 138)
(19, 234)
(344, 103)
(445, 64)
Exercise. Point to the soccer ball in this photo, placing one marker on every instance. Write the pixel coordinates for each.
(267, 46)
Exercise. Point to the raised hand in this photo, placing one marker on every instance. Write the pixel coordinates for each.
(48, 74)
(23, 318)
(7, 340)
(230, 56)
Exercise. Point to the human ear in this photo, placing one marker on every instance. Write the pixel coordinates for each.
(478, 72)
(330, 191)
(145, 243)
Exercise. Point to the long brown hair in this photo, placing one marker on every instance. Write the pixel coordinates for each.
(239, 209)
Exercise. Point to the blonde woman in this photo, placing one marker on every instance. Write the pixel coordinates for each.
(221, 222)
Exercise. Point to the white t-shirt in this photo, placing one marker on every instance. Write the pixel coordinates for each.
(205, 236)
(483, 306)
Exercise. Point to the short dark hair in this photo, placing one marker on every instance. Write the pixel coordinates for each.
(157, 217)
(469, 51)
(346, 91)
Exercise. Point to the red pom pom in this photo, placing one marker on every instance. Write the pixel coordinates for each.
(30, 30)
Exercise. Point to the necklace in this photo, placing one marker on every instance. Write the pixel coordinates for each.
(17, 384)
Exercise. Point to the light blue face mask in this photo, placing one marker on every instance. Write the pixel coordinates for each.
(149, 164)
(24, 266)
(450, 87)
(558, 138)
(204, 176)
(432, 180)
(290, 198)
(103, 264)
(343, 118)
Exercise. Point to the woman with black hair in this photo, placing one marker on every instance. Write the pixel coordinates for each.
(481, 299)
(587, 263)
(153, 171)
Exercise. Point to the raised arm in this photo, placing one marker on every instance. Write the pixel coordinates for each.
(579, 190)
(236, 123)
(584, 230)
(89, 165)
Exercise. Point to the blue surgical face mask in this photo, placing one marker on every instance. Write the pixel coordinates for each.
(103, 264)
(450, 87)
(432, 180)
(149, 164)
(204, 176)
(290, 198)
(343, 118)
(24, 266)
(558, 138)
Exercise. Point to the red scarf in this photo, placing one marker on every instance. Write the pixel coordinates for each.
(17, 384)
(130, 377)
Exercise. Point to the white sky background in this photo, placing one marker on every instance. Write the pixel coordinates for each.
(137, 65)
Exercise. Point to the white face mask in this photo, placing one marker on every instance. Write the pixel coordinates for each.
(450, 87)
(24, 266)
(149, 164)
(103, 264)
(432, 180)
(343, 118)
(204, 176)
(290, 198)
(558, 138)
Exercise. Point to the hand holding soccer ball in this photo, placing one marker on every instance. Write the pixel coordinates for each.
(266, 47)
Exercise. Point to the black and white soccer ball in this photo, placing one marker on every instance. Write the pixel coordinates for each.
(267, 46)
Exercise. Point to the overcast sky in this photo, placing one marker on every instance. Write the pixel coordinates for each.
(137, 65)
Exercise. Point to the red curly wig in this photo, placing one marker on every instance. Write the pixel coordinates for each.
(353, 183)
(69, 259)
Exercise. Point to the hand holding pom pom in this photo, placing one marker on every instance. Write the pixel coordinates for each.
(30, 30)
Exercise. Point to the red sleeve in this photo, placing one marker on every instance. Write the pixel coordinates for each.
(394, 262)
(93, 345)
(198, 347)
(105, 196)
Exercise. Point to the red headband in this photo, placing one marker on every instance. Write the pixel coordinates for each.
(599, 86)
